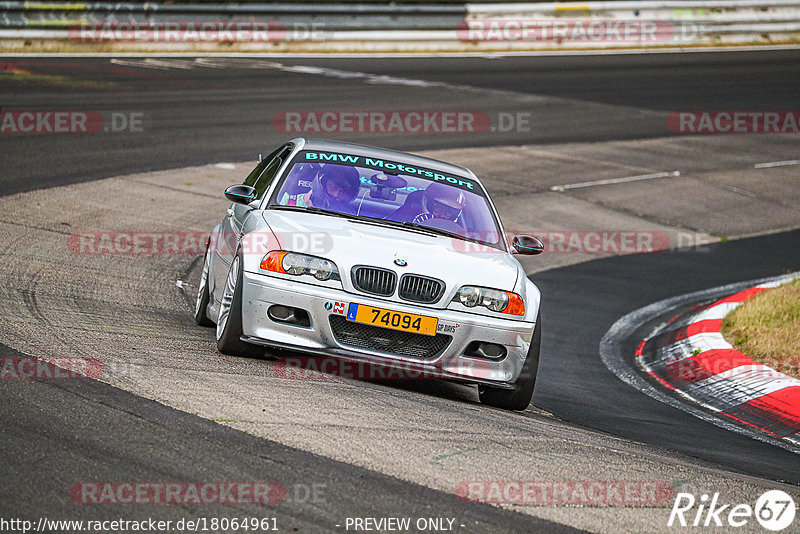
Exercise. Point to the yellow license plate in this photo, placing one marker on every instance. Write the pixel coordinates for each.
(407, 322)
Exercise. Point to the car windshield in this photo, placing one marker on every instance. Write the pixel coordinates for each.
(373, 188)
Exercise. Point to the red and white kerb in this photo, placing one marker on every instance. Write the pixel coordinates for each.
(690, 356)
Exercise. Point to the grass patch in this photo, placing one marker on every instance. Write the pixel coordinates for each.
(767, 328)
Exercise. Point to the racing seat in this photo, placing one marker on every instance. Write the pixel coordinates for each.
(298, 183)
(298, 187)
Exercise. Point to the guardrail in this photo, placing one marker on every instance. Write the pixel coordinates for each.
(396, 27)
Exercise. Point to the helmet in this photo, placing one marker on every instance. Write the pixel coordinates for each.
(335, 185)
(443, 201)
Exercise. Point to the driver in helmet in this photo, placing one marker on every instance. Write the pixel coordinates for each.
(332, 188)
(441, 202)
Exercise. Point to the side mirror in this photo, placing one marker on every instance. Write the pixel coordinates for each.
(241, 194)
(527, 244)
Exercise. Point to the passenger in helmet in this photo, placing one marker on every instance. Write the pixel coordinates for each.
(441, 202)
(332, 188)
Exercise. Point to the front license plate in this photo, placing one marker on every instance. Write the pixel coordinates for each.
(407, 322)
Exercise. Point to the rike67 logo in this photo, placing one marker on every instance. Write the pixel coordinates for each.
(774, 510)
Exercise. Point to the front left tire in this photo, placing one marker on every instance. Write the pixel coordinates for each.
(229, 322)
(201, 305)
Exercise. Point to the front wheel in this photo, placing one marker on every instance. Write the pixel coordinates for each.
(229, 322)
(201, 305)
(520, 397)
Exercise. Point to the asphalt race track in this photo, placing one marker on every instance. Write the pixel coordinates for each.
(635, 417)
(170, 408)
(144, 440)
(223, 112)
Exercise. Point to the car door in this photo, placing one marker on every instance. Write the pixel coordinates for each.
(235, 220)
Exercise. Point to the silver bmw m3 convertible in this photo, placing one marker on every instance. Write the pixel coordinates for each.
(369, 255)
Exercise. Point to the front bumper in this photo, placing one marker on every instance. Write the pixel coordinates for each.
(260, 292)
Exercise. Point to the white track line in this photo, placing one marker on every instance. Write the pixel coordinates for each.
(365, 77)
(666, 174)
(776, 164)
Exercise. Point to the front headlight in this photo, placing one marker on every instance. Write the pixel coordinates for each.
(280, 261)
(492, 299)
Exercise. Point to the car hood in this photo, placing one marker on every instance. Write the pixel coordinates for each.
(347, 243)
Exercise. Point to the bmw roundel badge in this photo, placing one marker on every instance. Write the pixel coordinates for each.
(399, 262)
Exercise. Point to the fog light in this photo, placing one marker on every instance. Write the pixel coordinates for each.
(484, 349)
(287, 314)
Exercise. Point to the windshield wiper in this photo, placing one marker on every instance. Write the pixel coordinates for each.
(439, 231)
(425, 229)
(311, 209)
(387, 222)
(399, 224)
